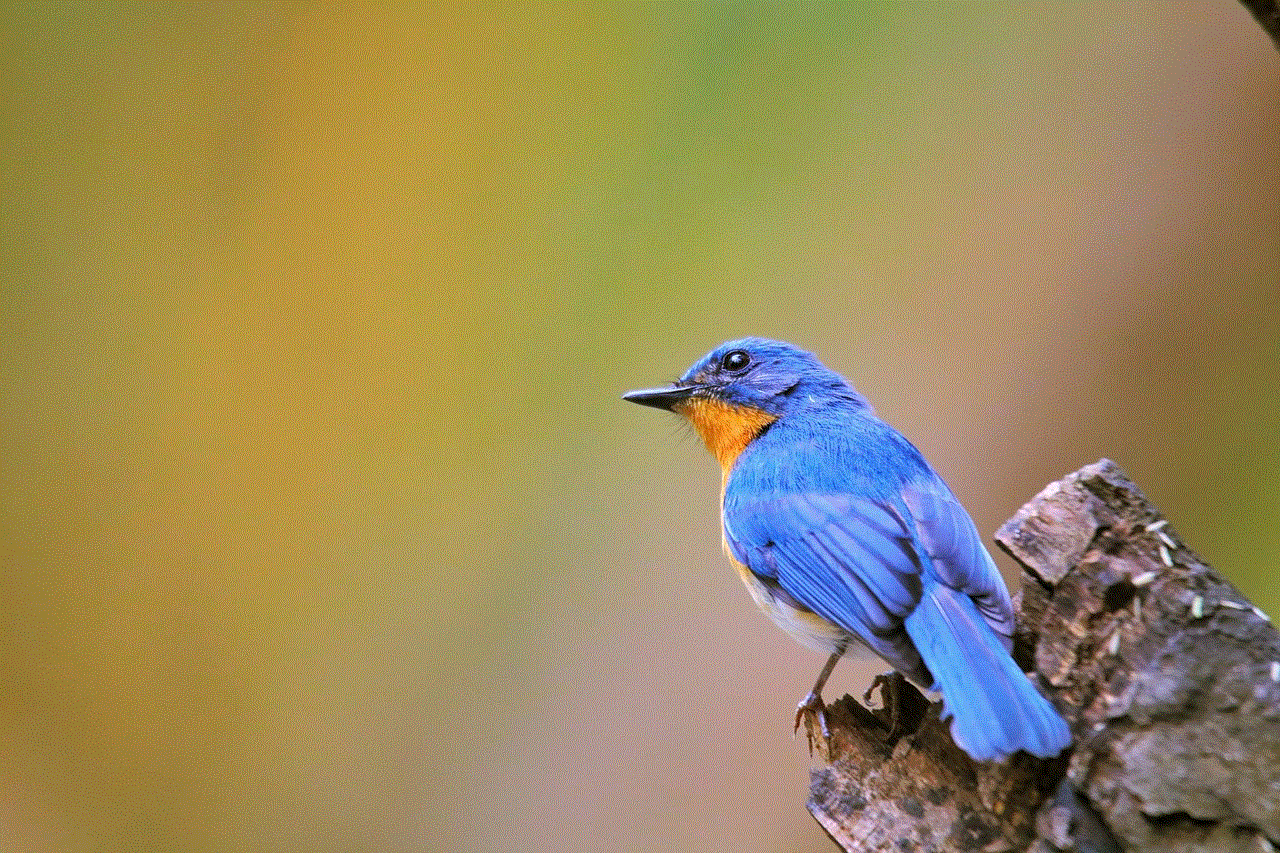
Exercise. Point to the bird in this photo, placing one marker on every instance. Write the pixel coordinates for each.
(850, 541)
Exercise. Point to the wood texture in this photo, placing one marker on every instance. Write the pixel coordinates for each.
(1169, 678)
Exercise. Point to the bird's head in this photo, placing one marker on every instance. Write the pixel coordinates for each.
(735, 392)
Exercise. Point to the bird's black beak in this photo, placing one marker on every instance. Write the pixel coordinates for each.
(661, 398)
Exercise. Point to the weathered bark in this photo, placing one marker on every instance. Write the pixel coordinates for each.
(1169, 678)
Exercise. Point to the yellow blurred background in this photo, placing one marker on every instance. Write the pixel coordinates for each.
(322, 524)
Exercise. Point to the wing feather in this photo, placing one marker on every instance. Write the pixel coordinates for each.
(959, 560)
(848, 559)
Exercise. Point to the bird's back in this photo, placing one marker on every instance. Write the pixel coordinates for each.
(829, 449)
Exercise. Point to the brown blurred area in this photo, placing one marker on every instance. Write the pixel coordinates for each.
(322, 524)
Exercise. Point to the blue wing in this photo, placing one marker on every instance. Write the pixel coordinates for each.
(956, 555)
(899, 564)
(850, 560)
(855, 539)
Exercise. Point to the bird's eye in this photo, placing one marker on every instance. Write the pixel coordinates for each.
(735, 361)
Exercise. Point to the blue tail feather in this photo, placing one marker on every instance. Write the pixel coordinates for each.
(995, 709)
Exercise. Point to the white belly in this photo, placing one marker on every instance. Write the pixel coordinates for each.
(807, 627)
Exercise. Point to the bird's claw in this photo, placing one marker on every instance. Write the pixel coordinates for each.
(812, 705)
(890, 697)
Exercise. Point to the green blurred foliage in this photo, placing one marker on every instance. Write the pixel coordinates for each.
(322, 525)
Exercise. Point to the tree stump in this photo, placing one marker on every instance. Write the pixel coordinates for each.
(1168, 676)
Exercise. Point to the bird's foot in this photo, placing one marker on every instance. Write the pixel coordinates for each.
(889, 684)
(812, 706)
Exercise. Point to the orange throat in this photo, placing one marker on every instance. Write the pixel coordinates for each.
(725, 428)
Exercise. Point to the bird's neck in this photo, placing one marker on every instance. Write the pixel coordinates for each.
(726, 429)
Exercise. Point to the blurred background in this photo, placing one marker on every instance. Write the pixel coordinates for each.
(322, 524)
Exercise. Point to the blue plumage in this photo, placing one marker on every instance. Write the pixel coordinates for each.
(847, 537)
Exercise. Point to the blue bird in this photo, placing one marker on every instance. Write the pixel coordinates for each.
(848, 539)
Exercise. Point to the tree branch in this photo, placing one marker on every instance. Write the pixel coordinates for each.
(1267, 14)
(1169, 678)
